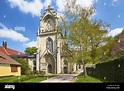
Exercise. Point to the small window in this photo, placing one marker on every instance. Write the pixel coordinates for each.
(14, 69)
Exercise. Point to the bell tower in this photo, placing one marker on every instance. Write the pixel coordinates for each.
(48, 22)
(47, 42)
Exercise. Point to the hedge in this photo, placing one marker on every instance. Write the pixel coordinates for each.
(112, 70)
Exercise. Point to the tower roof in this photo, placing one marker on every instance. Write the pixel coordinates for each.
(50, 11)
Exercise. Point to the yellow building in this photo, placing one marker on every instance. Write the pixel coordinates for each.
(8, 66)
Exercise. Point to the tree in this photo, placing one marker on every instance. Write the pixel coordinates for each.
(30, 50)
(118, 45)
(24, 65)
(87, 36)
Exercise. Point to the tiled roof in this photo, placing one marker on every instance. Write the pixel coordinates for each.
(5, 59)
(9, 51)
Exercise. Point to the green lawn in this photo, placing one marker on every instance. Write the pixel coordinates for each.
(24, 78)
(35, 80)
(11, 78)
(88, 79)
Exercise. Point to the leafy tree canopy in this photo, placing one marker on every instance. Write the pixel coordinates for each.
(24, 65)
(85, 35)
(30, 50)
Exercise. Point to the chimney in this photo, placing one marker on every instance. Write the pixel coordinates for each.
(4, 44)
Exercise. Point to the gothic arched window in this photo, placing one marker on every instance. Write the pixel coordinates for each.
(49, 44)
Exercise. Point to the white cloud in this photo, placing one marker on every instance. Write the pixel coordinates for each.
(115, 32)
(32, 7)
(47, 2)
(31, 43)
(9, 33)
(84, 3)
(60, 4)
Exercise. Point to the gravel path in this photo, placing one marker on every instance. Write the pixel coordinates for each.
(64, 78)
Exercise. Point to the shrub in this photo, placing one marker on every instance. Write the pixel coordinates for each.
(41, 73)
(111, 70)
(25, 69)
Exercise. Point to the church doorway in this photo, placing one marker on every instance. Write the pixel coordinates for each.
(65, 70)
(50, 63)
(49, 68)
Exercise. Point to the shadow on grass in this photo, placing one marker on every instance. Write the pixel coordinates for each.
(105, 80)
(92, 79)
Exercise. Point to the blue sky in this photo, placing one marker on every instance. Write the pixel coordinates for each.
(19, 19)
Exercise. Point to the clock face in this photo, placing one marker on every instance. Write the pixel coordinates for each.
(49, 25)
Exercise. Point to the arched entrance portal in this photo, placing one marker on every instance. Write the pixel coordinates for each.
(65, 70)
(49, 68)
(50, 63)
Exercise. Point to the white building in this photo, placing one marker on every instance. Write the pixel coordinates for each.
(32, 61)
(52, 50)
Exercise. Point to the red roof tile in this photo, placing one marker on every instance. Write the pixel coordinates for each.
(9, 51)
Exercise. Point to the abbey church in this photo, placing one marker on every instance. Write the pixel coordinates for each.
(52, 50)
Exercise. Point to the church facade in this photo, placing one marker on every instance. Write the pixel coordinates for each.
(52, 50)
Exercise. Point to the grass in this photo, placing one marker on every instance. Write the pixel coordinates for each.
(88, 79)
(10, 78)
(36, 79)
(104, 80)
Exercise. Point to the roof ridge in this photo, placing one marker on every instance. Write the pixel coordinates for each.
(6, 51)
(14, 50)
